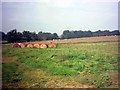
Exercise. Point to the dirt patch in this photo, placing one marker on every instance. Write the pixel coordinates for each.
(114, 77)
(9, 59)
(60, 83)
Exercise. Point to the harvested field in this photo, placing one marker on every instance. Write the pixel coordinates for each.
(83, 40)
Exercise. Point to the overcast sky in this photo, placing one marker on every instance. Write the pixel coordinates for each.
(59, 15)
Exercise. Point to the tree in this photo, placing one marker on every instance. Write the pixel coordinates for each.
(66, 34)
(14, 36)
(19, 37)
(106, 33)
(54, 36)
(40, 35)
(97, 33)
(34, 36)
(78, 34)
(2, 36)
(47, 36)
(27, 36)
(115, 32)
(89, 34)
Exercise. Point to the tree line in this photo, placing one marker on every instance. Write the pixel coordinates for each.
(79, 34)
(27, 36)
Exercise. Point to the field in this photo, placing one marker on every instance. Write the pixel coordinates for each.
(75, 63)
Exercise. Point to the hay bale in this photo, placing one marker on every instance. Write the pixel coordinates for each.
(16, 45)
(52, 45)
(21, 45)
(29, 46)
(36, 45)
(43, 46)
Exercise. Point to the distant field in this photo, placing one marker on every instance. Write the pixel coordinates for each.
(84, 40)
(75, 63)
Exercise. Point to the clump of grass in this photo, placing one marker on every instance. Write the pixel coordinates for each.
(100, 81)
(51, 67)
(104, 81)
(82, 56)
(10, 73)
(62, 70)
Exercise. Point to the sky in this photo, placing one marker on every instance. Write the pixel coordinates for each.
(55, 16)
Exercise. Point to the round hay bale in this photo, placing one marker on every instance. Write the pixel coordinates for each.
(16, 45)
(29, 45)
(52, 45)
(36, 45)
(21, 45)
(43, 46)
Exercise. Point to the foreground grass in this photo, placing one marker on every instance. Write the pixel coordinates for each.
(69, 65)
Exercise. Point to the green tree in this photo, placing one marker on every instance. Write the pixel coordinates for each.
(27, 36)
(34, 36)
(40, 34)
(14, 36)
(115, 32)
(54, 36)
(66, 34)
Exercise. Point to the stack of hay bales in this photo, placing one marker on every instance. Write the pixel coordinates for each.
(36, 45)
(43, 46)
(29, 46)
(52, 45)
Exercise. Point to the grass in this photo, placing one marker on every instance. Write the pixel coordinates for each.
(10, 73)
(86, 61)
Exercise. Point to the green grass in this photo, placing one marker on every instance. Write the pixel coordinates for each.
(10, 73)
(85, 60)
